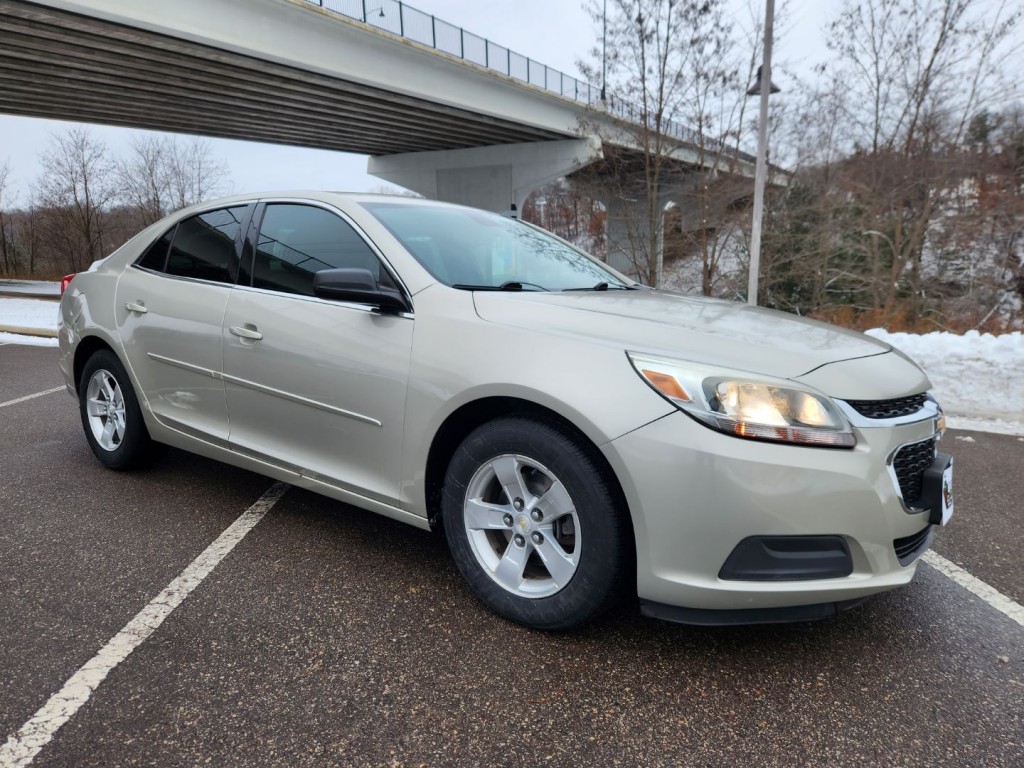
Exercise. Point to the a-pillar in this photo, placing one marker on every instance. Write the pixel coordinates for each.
(496, 178)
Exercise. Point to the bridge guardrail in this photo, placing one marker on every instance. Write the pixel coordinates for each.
(400, 19)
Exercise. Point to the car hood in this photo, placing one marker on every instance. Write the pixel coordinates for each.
(685, 327)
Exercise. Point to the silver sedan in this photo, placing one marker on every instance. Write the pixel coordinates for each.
(577, 436)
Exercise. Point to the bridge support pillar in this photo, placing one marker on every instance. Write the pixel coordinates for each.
(494, 178)
(627, 235)
(627, 230)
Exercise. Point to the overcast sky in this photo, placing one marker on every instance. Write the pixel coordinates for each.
(555, 32)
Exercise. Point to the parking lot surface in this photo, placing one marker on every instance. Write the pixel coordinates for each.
(331, 636)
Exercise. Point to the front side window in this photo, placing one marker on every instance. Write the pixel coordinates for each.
(204, 246)
(472, 249)
(297, 241)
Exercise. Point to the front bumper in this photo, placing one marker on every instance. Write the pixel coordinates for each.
(695, 494)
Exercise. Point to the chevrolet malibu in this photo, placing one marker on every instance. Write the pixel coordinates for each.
(576, 435)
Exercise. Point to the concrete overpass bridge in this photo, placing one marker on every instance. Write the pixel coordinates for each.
(439, 110)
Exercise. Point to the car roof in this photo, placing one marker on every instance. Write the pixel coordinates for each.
(321, 195)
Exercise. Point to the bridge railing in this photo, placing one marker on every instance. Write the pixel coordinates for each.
(413, 24)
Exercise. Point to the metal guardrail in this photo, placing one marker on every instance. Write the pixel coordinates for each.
(410, 23)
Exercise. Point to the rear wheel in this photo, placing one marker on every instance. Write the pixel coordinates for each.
(111, 416)
(533, 524)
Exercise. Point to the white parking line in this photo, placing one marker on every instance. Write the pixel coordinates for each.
(989, 594)
(22, 748)
(17, 400)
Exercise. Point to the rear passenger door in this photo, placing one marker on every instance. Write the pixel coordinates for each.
(314, 385)
(170, 310)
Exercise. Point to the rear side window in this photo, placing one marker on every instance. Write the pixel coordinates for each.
(297, 241)
(203, 246)
(155, 257)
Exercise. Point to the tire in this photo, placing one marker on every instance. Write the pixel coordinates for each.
(551, 551)
(111, 416)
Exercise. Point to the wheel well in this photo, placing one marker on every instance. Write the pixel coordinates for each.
(470, 416)
(86, 348)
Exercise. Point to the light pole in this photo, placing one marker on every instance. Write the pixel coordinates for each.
(884, 236)
(875, 234)
(763, 86)
(366, 19)
(604, 52)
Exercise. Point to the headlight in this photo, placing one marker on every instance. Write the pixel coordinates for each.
(740, 404)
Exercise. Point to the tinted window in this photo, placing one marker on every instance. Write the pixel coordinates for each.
(297, 241)
(155, 256)
(204, 246)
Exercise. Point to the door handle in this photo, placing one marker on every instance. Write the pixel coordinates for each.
(136, 306)
(246, 331)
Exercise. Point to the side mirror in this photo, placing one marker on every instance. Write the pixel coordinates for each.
(357, 286)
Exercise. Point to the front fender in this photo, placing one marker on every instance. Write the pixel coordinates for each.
(458, 358)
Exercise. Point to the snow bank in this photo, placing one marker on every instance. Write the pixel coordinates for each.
(36, 314)
(29, 313)
(977, 376)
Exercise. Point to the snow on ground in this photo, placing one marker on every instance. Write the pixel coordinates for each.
(977, 377)
(37, 314)
(29, 313)
(41, 287)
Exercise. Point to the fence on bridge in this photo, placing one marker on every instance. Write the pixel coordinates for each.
(410, 23)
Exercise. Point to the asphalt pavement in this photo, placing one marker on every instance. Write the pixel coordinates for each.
(331, 636)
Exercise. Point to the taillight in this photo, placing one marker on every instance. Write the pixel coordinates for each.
(64, 282)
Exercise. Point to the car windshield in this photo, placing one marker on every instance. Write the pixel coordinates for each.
(475, 250)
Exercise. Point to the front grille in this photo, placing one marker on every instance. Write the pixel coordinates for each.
(910, 547)
(909, 463)
(889, 409)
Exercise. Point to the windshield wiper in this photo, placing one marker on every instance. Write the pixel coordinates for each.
(508, 285)
(603, 287)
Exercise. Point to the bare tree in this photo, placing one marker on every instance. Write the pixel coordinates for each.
(6, 235)
(76, 185)
(19, 231)
(722, 62)
(194, 174)
(26, 239)
(161, 174)
(675, 103)
(905, 80)
(979, 239)
(143, 177)
(84, 203)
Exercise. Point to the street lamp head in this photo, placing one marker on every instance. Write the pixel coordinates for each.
(755, 89)
(876, 233)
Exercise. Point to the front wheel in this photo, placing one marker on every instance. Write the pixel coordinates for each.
(111, 416)
(534, 525)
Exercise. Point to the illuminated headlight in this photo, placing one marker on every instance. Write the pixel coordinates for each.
(745, 405)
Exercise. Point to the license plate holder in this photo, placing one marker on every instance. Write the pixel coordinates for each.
(937, 489)
(947, 493)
